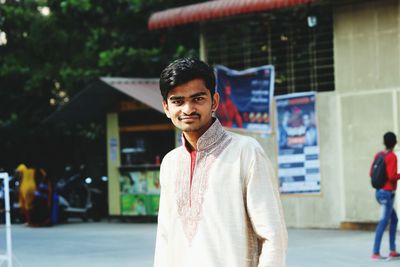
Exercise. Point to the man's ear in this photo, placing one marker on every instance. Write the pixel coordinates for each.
(166, 110)
(215, 102)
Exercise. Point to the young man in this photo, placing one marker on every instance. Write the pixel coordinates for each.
(219, 201)
(385, 197)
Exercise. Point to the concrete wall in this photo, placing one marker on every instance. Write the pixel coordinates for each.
(365, 117)
(367, 65)
(324, 210)
(353, 118)
(366, 41)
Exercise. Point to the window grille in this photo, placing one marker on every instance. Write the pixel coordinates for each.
(302, 55)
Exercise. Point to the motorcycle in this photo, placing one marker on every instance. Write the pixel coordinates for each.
(79, 196)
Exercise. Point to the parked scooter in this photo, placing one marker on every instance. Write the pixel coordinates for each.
(77, 197)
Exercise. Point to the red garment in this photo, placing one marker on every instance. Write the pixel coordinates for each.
(193, 155)
(391, 170)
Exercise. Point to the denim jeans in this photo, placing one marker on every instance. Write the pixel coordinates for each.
(388, 216)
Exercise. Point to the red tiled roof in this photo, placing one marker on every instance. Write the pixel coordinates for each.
(215, 9)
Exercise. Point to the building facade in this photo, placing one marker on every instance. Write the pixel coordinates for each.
(351, 58)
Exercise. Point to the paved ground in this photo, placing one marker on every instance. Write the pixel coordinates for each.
(116, 244)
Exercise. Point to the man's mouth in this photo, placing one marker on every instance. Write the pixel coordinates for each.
(189, 117)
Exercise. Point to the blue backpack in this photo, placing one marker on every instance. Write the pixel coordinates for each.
(379, 175)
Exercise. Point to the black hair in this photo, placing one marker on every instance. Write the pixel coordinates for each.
(184, 70)
(389, 139)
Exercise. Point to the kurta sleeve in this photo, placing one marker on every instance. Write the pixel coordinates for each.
(160, 255)
(265, 211)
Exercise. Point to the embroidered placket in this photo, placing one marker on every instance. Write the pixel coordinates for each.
(190, 194)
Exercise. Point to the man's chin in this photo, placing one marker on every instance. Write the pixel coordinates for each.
(189, 129)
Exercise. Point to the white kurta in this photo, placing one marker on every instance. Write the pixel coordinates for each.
(230, 216)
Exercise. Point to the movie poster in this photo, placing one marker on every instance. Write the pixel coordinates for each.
(298, 147)
(245, 97)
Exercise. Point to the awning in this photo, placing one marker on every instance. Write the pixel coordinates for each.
(215, 9)
(146, 91)
(102, 95)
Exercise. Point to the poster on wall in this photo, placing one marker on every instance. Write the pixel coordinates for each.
(245, 97)
(113, 149)
(139, 204)
(298, 147)
(140, 192)
(133, 204)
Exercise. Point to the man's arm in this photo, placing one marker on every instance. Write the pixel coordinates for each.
(265, 211)
(160, 256)
(391, 167)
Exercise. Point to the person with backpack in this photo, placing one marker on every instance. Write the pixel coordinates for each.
(384, 179)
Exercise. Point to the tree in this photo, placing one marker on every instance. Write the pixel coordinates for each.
(50, 49)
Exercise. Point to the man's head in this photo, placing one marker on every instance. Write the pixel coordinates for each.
(390, 140)
(306, 120)
(21, 168)
(228, 90)
(184, 70)
(188, 89)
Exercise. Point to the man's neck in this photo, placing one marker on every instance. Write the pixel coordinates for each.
(191, 140)
(193, 137)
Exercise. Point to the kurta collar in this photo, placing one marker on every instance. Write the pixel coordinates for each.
(209, 138)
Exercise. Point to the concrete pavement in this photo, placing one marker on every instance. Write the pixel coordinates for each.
(117, 244)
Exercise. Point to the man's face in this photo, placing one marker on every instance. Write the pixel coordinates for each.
(228, 90)
(190, 106)
(285, 118)
(306, 120)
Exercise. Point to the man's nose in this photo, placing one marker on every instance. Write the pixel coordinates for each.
(188, 108)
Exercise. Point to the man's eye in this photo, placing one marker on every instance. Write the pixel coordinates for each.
(197, 99)
(176, 102)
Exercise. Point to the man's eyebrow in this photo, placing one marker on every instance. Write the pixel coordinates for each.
(176, 98)
(182, 97)
(198, 94)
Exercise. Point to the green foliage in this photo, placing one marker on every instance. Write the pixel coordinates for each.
(50, 58)
(77, 41)
(75, 5)
(123, 58)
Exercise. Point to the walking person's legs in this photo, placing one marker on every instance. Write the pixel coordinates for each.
(392, 234)
(393, 230)
(385, 200)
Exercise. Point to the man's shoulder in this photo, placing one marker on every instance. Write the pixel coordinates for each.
(173, 153)
(245, 141)
(390, 156)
